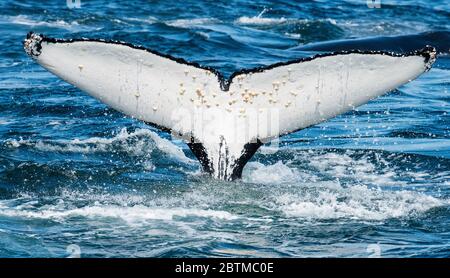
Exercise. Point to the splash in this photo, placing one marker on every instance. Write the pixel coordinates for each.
(356, 202)
(256, 172)
(332, 185)
(350, 167)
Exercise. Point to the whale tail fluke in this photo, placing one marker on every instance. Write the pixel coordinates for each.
(225, 120)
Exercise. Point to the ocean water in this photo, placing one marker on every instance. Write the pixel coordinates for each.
(79, 179)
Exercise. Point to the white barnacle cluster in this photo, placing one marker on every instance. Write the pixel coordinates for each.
(201, 98)
(196, 92)
(248, 96)
(280, 94)
(239, 79)
(233, 101)
(198, 95)
(182, 90)
(277, 86)
(32, 44)
(242, 112)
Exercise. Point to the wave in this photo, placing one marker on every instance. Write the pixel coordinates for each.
(257, 20)
(360, 167)
(188, 23)
(362, 27)
(243, 203)
(311, 185)
(147, 20)
(5, 121)
(25, 20)
(321, 199)
(135, 143)
(256, 172)
(357, 202)
(260, 20)
(299, 29)
(331, 185)
(134, 214)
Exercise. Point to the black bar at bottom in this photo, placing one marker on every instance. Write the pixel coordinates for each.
(210, 267)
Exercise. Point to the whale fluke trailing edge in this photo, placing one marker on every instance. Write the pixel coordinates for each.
(225, 120)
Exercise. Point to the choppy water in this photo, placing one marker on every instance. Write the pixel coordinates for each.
(74, 173)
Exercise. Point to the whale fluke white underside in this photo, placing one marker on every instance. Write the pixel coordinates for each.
(224, 121)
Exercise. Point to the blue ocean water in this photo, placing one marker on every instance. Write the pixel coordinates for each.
(77, 178)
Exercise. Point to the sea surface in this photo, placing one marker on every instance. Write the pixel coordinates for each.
(80, 179)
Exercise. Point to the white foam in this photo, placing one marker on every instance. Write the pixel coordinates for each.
(314, 185)
(187, 23)
(25, 20)
(361, 27)
(293, 199)
(361, 170)
(133, 214)
(148, 20)
(101, 144)
(257, 172)
(5, 121)
(54, 122)
(257, 20)
(293, 35)
(168, 147)
(313, 166)
(329, 185)
(357, 202)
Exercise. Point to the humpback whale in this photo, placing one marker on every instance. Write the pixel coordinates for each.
(225, 120)
(404, 43)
